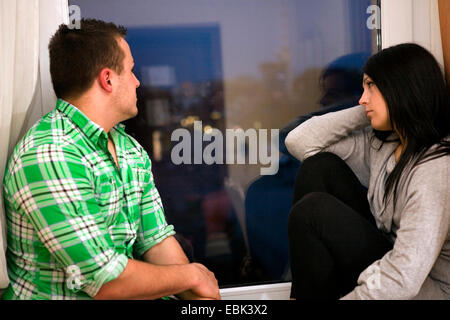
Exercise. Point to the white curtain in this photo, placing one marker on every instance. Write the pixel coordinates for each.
(412, 21)
(26, 93)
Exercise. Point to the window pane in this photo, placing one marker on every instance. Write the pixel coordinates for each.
(209, 68)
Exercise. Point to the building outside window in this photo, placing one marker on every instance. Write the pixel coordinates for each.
(221, 82)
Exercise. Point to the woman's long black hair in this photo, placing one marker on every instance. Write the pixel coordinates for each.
(413, 86)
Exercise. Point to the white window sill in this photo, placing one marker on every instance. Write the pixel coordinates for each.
(276, 291)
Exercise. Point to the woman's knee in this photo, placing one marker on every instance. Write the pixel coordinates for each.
(319, 165)
(306, 212)
(321, 161)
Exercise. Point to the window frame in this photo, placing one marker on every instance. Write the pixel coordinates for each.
(395, 28)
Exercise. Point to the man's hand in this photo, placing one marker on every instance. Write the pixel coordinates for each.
(166, 271)
(205, 285)
(169, 252)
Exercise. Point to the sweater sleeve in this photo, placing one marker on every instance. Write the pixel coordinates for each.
(344, 133)
(424, 225)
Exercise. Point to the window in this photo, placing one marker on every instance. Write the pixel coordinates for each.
(219, 78)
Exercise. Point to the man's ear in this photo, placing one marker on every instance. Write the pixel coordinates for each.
(104, 79)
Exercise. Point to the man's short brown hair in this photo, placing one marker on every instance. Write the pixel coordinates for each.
(78, 55)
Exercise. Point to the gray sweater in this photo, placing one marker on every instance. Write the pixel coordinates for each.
(418, 266)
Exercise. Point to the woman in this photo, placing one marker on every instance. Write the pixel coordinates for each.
(371, 209)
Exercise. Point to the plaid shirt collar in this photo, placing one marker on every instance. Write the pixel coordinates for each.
(93, 131)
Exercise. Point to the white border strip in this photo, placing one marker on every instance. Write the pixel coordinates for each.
(276, 291)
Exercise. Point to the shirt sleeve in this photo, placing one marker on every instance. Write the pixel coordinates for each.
(424, 225)
(51, 186)
(345, 133)
(153, 225)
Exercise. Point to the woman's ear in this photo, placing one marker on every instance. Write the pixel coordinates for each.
(104, 79)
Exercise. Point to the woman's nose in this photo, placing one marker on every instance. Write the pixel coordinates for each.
(364, 99)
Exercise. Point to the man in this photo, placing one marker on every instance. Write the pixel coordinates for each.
(80, 198)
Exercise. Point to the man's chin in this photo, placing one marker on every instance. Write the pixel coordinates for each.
(130, 114)
(133, 111)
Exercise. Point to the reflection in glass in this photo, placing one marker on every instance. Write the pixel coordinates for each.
(233, 64)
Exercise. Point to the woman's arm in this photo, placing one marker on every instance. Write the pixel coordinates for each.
(424, 225)
(298, 121)
(320, 132)
(344, 133)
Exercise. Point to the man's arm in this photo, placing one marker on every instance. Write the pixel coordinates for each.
(141, 280)
(166, 252)
(166, 271)
(170, 252)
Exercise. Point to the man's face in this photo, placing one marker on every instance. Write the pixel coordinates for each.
(125, 95)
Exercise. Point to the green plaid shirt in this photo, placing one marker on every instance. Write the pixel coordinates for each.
(74, 218)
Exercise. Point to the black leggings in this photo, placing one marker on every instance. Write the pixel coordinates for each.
(332, 233)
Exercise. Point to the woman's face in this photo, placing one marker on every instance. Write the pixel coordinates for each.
(376, 107)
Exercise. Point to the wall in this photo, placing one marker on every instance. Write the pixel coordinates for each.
(444, 9)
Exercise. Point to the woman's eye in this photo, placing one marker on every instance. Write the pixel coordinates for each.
(370, 84)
